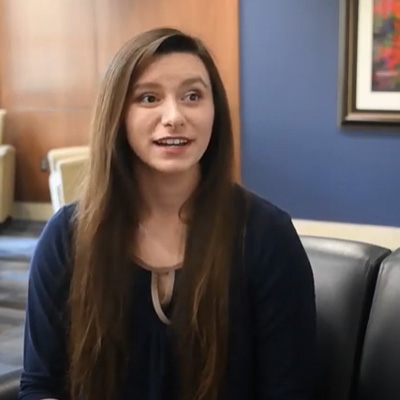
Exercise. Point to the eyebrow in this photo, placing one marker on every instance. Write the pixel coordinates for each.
(196, 79)
(186, 82)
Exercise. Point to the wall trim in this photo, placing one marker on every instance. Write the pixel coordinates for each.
(32, 211)
(385, 236)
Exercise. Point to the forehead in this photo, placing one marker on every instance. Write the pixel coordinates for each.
(174, 67)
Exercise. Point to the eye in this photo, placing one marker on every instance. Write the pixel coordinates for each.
(192, 96)
(148, 99)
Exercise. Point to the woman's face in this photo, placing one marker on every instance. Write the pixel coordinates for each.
(170, 118)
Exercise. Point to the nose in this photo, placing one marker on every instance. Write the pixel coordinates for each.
(172, 114)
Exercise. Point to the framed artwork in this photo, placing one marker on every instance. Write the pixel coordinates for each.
(369, 69)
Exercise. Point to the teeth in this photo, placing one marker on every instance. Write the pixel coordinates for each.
(172, 142)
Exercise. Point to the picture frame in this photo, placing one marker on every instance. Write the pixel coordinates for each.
(369, 62)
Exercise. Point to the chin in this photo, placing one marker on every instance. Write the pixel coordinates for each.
(173, 171)
(176, 168)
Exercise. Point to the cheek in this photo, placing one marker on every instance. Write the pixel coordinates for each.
(207, 123)
(137, 128)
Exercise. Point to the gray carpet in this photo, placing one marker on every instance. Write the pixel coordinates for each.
(17, 248)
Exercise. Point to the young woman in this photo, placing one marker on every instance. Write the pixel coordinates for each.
(167, 280)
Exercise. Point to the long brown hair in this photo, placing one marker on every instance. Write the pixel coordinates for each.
(106, 219)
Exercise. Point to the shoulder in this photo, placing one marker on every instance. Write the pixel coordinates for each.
(264, 212)
(52, 251)
(271, 242)
(265, 222)
(57, 231)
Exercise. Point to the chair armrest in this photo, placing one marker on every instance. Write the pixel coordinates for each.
(71, 171)
(9, 385)
(7, 180)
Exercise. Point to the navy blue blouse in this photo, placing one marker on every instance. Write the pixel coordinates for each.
(272, 333)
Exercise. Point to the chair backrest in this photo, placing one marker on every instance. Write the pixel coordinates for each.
(380, 363)
(345, 275)
(2, 119)
(56, 155)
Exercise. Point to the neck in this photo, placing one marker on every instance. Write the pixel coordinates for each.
(165, 194)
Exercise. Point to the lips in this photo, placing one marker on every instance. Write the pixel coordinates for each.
(168, 141)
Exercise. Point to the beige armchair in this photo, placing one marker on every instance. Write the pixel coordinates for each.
(7, 173)
(67, 167)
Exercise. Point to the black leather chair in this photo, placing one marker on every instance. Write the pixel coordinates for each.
(9, 385)
(380, 366)
(345, 274)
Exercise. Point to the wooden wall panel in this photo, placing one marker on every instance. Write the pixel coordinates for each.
(48, 80)
(54, 52)
(34, 133)
(48, 54)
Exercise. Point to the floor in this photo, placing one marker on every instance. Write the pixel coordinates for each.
(17, 242)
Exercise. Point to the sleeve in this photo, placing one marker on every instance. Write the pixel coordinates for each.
(43, 375)
(285, 317)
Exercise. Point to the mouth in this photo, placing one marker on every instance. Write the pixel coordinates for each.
(172, 142)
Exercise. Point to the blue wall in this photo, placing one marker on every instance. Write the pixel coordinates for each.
(293, 152)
